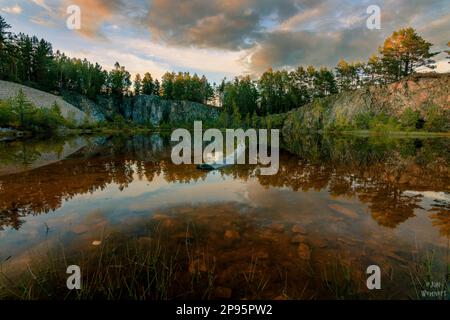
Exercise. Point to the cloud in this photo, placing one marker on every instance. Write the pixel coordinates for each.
(207, 60)
(12, 10)
(233, 25)
(320, 36)
(143, 56)
(292, 48)
(41, 3)
(94, 13)
(42, 21)
(256, 33)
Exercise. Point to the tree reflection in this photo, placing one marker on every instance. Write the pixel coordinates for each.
(377, 171)
(441, 217)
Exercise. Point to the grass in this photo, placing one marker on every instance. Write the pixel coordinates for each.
(256, 281)
(338, 281)
(119, 269)
(429, 277)
(160, 265)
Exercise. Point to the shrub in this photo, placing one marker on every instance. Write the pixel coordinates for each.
(47, 119)
(436, 119)
(383, 123)
(362, 120)
(119, 121)
(6, 114)
(22, 114)
(409, 119)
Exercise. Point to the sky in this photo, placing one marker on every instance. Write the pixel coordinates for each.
(225, 38)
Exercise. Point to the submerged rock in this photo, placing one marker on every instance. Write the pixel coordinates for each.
(277, 227)
(298, 229)
(232, 235)
(298, 239)
(198, 265)
(304, 251)
(345, 211)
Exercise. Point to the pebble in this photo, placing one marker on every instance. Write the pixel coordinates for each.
(277, 227)
(298, 229)
(298, 239)
(232, 234)
(304, 251)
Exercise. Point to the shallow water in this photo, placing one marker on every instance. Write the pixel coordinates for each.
(337, 206)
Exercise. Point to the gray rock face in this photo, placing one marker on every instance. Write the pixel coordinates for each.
(417, 92)
(154, 110)
(84, 104)
(43, 99)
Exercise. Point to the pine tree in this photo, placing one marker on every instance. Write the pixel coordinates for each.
(119, 82)
(23, 109)
(5, 42)
(157, 88)
(147, 84)
(137, 85)
(403, 52)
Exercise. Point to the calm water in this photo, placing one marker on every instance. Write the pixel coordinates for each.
(336, 206)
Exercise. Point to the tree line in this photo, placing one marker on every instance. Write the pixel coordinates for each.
(280, 91)
(31, 61)
(176, 86)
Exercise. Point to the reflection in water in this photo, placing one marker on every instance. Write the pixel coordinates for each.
(357, 200)
(441, 217)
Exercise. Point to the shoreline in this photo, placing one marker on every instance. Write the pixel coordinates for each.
(13, 135)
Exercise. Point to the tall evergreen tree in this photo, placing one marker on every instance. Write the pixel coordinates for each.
(22, 108)
(147, 84)
(167, 85)
(403, 52)
(157, 88)
(42, 64)
(5, 42)
(119, 81)
(137, 85)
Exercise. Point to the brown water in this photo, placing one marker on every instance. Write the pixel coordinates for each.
(337, 206)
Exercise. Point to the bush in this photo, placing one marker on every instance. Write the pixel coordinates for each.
(48, 119)
(383, 123)
(436, 119)
(22, 114)
(409, 119)
(362, 120)
(119, 121)
(6, 114)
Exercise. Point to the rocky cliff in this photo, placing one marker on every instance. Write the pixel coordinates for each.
(43, 99)
(154, 110)
(418, 92)
(144, 109)
(94, 110)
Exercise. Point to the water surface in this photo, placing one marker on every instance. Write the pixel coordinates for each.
(336, 206)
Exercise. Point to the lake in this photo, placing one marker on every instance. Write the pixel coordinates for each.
(337, 206)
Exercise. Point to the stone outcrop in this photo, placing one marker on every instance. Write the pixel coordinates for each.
(144, 109)
(84, 104)
(42, 99)
(418, 92)
(153, 110)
